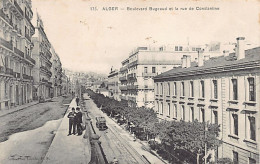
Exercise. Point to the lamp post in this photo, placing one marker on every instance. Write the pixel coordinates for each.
(206, 130)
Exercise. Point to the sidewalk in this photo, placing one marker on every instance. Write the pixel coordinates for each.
(67, 149)
(20, 107)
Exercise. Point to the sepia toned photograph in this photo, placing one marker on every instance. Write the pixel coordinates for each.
(129, 82)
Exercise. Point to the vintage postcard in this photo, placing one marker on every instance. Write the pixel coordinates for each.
(129, 81)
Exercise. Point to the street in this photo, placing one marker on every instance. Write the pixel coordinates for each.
(19, 131)
(115, 141)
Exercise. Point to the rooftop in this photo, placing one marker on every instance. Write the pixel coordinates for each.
(216, 64)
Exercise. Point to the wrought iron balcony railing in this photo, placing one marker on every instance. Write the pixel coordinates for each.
(19, 52)
(7, 44)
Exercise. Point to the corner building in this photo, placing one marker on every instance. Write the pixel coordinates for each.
(137, 71)
(222, 90)
(16, 61)
(42, 55)
(113, 85)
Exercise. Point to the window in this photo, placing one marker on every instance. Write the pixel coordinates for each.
(234, 87)
(251, 83)
(191, 114)
(252, 161)
(161, 88)
(191, 89)
(176, 48)
(180, 48)
(6, 92)
(169, 109)
(182, 89)
(235, 124)
(161, 108)
(202, 114)
(157, 88)
(252, 128)
(215, 89)
(175, 112)
(174, 88)
(145, 69)
(169, 89)
(202, 89)
(235, 157)
(215, 113)
(153, 70)
(145, 97)
(158, 107)
(183, 113)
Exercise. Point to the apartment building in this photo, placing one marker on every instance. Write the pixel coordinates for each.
(42, 55)
(222, 90)
(16, 61)
(65, 84)
(144, 63)
(113, 85)
(56, 70)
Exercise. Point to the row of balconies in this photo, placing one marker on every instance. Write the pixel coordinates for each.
(6, 17)
(15, 26)
(18, 7)
(9, 71)
(132, 64)
(19, 52)
(30, 59)
(232, 105)
(9, 45)
(45, 69)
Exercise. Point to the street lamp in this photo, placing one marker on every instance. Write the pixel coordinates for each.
(206, 130)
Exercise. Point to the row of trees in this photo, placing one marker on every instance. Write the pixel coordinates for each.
(176, 141)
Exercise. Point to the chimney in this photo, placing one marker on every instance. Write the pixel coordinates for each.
(240, 48)
(188, 61)
(183, 61)
(225, 52)
(200, 58)
(206, 57)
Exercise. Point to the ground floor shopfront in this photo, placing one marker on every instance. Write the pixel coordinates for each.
(14, 92)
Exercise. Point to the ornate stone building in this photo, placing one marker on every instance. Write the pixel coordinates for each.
(222, 90)
(56, 70)
(42, 69)
(16, 61)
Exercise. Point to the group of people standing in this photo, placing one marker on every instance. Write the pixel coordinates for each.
(75, 121)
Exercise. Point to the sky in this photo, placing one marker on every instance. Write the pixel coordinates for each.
(94, 41)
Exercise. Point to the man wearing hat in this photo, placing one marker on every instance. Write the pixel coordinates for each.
(79, 121)
(72, 121)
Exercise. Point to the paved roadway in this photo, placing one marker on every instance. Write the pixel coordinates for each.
(113, 142)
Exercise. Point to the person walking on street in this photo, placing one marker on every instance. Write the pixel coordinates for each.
(77, 101)
(79, 121)
(72, 121)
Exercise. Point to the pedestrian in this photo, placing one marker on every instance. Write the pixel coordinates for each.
(79, 121)
(72, 121)
(77, 101)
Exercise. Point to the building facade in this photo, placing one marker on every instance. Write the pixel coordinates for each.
(113, 85)
(65, 83)
(144, 63)
(222, 90)
(16, 61)
(56, 77)
(42, 69)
